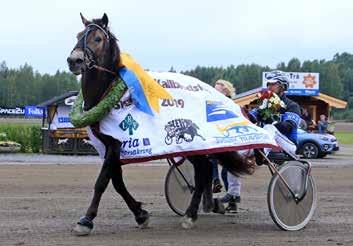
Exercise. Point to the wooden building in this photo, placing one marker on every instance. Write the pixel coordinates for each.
(58, 134)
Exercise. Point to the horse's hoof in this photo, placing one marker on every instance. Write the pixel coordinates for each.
(143, 219)
(80, 230)
(187, 222)
(145, 224)
(83, 227)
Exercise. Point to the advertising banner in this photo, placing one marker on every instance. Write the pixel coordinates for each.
(33, 112)
(300, 84)
(12, 111)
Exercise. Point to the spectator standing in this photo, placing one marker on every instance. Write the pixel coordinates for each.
(322, 124)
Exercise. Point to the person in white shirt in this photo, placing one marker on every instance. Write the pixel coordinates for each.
(232, 183)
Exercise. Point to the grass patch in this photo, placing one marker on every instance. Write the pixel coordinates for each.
(20, 121)
(29, 136)
(344, 137)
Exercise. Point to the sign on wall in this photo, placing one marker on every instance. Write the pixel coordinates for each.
(61, 118)
(14, 111)
(33, 112)
(300, 84)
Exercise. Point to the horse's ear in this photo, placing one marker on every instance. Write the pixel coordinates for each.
(105, 20)
(84, 20)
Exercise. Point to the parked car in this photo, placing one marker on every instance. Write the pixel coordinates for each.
(316, 145)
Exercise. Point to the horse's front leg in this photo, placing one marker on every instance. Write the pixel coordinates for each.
(141, 216)
(85, 225)
(203, 174)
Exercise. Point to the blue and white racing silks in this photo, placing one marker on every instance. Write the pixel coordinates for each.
(254, 113)
(295, 119)
(287, 116)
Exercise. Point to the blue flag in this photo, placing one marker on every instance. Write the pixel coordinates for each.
(137, 93)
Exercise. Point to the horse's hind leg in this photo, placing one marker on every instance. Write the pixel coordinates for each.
(203, 174)
(141, 216)
(85, 224)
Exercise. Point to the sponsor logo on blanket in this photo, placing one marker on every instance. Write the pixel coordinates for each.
(243, 138)
(239, 133)
(181, 129)
(177, 103)
(236, 128)
(218, 111)
(135, 142)
(124, 104)
(171, 84)
(129, 124)
(136, 146)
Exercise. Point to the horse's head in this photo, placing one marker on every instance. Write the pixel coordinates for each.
(96, 56)
(96, 46)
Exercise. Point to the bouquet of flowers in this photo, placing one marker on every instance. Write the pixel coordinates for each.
(269, 105)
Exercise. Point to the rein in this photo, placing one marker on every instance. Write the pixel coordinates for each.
(103, 69)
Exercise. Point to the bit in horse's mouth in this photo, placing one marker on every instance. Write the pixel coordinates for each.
(76, 70)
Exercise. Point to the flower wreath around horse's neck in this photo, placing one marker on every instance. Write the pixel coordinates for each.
(80, 118)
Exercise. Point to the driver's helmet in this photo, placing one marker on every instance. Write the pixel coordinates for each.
(277, 76)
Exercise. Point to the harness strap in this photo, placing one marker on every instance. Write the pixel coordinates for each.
(103, 69)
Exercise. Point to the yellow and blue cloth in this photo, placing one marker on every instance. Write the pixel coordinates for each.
(145, 91)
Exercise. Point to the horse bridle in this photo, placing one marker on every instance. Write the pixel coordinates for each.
(88, 55)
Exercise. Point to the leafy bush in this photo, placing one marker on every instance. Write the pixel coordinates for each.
(346, 114)
(29, 136)
(3, 136)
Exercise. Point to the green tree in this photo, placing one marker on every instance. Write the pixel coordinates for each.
(23, 86)
(330, 80)
(293, 65)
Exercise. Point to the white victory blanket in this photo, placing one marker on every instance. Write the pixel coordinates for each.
(198, 120)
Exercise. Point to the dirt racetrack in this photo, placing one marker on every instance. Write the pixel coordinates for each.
(39, 204)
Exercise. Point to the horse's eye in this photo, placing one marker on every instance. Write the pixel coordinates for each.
(97, 39)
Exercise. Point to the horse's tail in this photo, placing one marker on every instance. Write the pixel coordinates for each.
(236, 163)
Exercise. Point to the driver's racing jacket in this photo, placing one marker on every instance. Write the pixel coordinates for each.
(290, 118)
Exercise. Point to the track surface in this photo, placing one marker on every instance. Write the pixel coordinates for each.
(40, 203)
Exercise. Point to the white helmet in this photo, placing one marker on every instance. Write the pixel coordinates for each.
(277, 76)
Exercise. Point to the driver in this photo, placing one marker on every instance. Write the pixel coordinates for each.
(278, 82)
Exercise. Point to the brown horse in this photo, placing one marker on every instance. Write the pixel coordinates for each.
(96, 57)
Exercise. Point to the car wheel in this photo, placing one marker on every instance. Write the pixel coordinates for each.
(310, 150)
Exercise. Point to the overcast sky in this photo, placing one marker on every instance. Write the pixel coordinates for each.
(179, 33)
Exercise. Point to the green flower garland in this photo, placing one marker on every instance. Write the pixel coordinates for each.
(79, 118)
